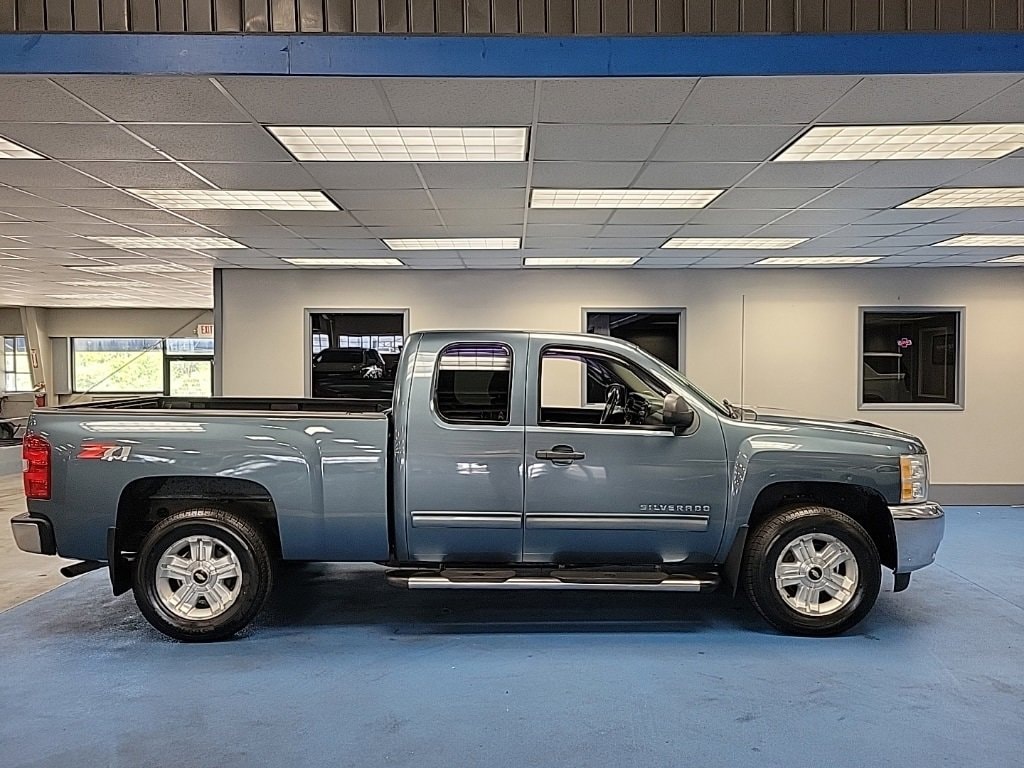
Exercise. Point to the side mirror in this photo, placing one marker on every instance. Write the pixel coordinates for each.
(677, 413)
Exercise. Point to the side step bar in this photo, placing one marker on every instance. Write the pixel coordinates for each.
(460, 578)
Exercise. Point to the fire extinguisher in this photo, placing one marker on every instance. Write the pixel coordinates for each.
(40, 394)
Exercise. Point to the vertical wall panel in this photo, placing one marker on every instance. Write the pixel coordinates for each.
(478, 16)
(395, 16)
(865, 15)
(559, 17)
(199, 15)
(283, 15)
(838, 16)
(699, 16)
(58, 16)
(367, 16)
(951, 15)
(588, 17)
(143, 15)
(923, 15)
(1004, 14)
(811, 15)
(449, 15)
(255, 16)
(227, 15)
(977, 15)
(782, 15)
(8, 16)
(615, 17)
(670, 16)
(894, 15)
(339, 15)
(31, 16)
(642, 17)
(421, 16)
(533, 17)
(87, 16)
(311, 16)
(725, 16)
(505, 17)
(753, 16)
(170, 15)
(114, 15)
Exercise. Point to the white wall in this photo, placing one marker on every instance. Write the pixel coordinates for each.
(800, 335)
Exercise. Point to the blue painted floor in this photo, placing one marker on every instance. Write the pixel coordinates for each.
(343, 670)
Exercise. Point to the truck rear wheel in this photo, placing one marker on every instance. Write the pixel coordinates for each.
(202, 574)
(812, 571)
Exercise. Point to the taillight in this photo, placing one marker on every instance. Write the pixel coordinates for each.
(35, 453)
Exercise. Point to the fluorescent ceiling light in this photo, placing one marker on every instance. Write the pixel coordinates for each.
(342, 262)
(968, 197)
(237, 199)
(1018, 259)
(451, 243)
(188, 243)
(622, 198)
(906, 142)
(986, 241)
(814, 261)
(580, 261)
(715, 243)
(403, 144)
(151, 268)
(11, 151)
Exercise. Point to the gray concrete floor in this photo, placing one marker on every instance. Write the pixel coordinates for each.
(342, 670)
(22, 575)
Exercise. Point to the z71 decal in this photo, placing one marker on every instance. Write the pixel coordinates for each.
(105, 452)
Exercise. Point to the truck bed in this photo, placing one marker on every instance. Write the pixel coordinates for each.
(335, 407)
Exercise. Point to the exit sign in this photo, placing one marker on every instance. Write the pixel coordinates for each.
(204, 330)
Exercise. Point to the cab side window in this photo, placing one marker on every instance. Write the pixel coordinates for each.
(473, 383)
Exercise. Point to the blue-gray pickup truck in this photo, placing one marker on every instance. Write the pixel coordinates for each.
(506, 460)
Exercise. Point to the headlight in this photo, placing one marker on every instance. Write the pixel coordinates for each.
(913, 478)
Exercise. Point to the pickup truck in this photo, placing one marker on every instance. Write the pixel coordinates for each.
(488, 470)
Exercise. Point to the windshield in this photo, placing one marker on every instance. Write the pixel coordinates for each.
(684, 383)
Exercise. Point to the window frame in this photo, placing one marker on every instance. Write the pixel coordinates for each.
(960, 376)
(435, 406)
(583, 351)
(16, 372)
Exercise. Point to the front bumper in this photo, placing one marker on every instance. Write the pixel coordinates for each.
(33, 534)
(919, 529)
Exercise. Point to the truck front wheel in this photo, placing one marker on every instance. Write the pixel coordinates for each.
(202, 574)
(812, 570)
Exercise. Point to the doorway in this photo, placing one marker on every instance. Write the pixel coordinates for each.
(354, 353)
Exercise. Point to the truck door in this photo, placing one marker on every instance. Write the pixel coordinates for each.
(464, 453)
(606, 482)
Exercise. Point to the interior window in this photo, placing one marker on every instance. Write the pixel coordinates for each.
(626, 394)
(473, 384)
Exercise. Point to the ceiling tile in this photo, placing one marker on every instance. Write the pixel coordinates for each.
(576, 175)
(761, 100)
(727, 215)
(780, 199)
(79, 142)
(35, 98)
(916, 173)
(612, 100)
(914, 99)
(324, 233)
(92, 198)
(255, 175)
(144, 216)
(310, 100)
(1006, 172)
(366, 175)
(155, 99)
(876, 199)
(693, 175)
(398, 218)
(730, 142)
(311, 218)
(483, 217)
(475, 101)
(473, 175)
(42, 173)
(141, 175)
(822, 217)
(13, 198)
(808, 174)
(1004, 107)
(641, 216)
(663, 231)
(479, 198)
(381, 200)
(222, 143)
(597, 142)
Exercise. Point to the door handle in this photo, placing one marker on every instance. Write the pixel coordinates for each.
(562, 455)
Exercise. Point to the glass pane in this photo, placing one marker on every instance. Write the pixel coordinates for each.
(118, 365)
(474, 383)
(191, 378)
(190, 346)
(911, 357)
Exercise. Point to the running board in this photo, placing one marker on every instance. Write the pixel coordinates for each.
(461, 578)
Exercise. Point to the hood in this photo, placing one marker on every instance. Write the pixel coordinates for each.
(859, 429)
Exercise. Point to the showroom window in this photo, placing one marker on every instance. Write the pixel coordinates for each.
(656, 331)
(321, 341)
(473, 384)
(911, 358)
(17, 375)
(180, 367)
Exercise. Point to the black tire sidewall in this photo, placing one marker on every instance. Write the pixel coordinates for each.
(253, 588)
(782, 532)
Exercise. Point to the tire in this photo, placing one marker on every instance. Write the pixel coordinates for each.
(225, 571)
(819, 593)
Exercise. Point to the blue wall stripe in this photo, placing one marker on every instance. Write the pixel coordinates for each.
(519, 56)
